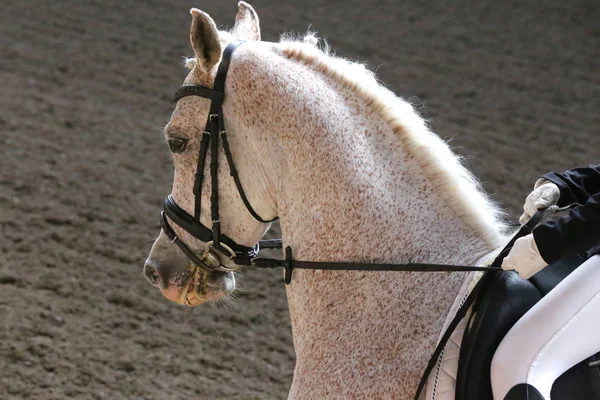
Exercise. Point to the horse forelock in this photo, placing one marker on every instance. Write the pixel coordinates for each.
(443, 168)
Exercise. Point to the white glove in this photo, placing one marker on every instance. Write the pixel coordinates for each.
(544, 195)
(524, 257)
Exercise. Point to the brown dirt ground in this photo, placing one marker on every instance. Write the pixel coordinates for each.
(85, 88)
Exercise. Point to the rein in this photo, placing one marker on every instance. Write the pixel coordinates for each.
(289, 264)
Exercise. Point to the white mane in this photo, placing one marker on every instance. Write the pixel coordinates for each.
(440, 165)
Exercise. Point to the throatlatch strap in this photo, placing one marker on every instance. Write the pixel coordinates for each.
(234, 174)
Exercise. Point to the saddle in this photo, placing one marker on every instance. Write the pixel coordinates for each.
(507, 298)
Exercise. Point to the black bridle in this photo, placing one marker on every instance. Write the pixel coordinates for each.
(215, 130)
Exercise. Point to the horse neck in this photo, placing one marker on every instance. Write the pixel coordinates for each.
(352, 179)
(353, 188)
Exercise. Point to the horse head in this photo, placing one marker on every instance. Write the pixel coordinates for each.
(191, 261)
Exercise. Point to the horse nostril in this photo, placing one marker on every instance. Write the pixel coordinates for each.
(151, 274)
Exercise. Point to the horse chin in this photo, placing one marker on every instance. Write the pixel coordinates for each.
(218, 285)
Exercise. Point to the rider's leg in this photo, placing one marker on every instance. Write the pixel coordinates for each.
(560, 331)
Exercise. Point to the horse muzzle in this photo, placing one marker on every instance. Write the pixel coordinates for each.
(201, 287)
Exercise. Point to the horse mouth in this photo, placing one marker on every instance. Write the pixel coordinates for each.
(203, 287)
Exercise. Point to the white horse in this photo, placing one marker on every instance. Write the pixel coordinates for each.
(354, 174)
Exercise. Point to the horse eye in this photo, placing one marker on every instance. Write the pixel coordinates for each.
(177, 145)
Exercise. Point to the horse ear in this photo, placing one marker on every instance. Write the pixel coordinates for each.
(246, 23)
(204, 37)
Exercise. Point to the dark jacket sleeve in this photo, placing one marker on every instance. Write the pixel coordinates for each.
(580, 229)
(576, 185)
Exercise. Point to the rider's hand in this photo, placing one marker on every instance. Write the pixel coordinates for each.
(544, 195)
(524, 258)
